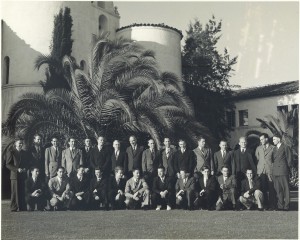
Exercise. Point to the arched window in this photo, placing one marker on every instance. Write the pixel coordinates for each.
(82, 65)
(6, 70)
(102, 23)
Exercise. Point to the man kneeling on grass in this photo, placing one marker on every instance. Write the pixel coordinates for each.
(137, 192)
(185, 191)
(35, 191)
(162, 190)
(251, 193)
(60, 190)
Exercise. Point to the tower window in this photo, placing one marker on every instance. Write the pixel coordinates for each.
(6, 66)
(102, 23)
(82, 65)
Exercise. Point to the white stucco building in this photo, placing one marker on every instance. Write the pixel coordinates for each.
(27, 30)
(252, 103)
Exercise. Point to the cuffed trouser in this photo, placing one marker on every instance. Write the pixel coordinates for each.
(117, 204)
(158, 200)
(187, 199)
(65, 203)
(77, 204)
(18, 201)
(268, 191)
(256, 198)
(144, 200)
(281, 185)
(208, 200)
(228, 199)
(40, 202)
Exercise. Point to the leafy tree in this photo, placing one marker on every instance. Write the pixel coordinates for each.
(202, 64)
(123, 93)
(61, 46)
(206, 74)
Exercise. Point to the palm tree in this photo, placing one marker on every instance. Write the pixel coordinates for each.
(122, 93)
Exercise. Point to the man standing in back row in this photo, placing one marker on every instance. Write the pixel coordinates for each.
(263, 155)
(282, 161)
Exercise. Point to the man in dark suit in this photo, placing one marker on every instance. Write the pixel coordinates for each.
(250, 191)
(203, 156)
(168, 159)
(86, 156)
(98, 190)
(263, 156)
(242, 161)
(52, 158)
(223, 157)
(35, 191)
(117, 189)
(118, 157)
(18, 163)
(137, 192)
(185, 190)
(162, 189)
(37, 156)
(150, 162)
(184, 159)
(282, 162)
(227, 191)
(208, 190)
(134, 154)
(71, 158)
(101, 158)
(79, 186)
(60, 190)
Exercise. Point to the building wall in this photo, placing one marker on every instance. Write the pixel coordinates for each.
(27, 31)
(164, 42)
(258, 108)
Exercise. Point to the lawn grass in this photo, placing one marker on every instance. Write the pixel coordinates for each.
(148, 224)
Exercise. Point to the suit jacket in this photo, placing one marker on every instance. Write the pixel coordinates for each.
(211, 184)
(17, 159)
(37, 158)
(189, 186)
(134, 157)
(70, 161)
(246, 186)
(150, 163)
(203, 157)
(229, 184)
(52, 160)
(79, 186)
(169, 162)
(121, 160)
(264, 159)
(101, 159)
(86, 157)
(159, 186)
(185, 161)
(100, 186)
(240, 166)
(114, 187)
(132, 187)
(220, 161)
(31, 186)
(58, 188)
(282, 160)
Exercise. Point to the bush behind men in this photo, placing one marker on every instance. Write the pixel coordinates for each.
(156, 178)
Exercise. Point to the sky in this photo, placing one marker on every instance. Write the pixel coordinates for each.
(264, 35)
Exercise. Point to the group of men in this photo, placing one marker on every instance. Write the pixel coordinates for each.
(101, 177)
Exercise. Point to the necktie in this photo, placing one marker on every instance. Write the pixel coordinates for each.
(251, 184)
